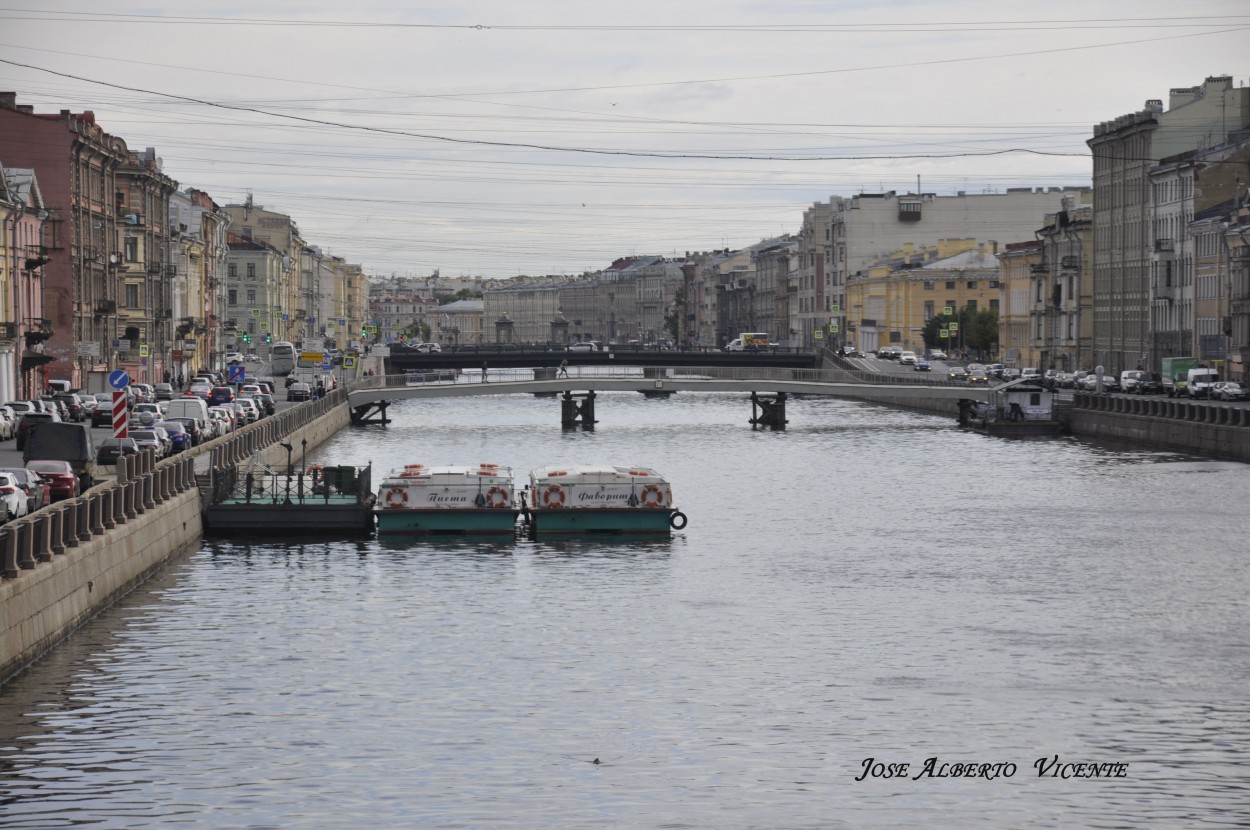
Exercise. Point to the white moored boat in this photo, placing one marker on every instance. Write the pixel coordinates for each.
(447, 500)
(601, 499)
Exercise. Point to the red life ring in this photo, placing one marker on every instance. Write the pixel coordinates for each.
(553, 496)
(396, 497)
(652, 496)
(501, 493)
(317, 472)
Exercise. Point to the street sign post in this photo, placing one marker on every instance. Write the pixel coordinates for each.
(119, 412)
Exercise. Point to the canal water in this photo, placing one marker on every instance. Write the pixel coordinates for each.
(869, 584)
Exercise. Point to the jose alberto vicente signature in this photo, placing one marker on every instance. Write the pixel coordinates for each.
(1053, 767)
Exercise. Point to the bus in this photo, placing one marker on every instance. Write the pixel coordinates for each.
(281, 358)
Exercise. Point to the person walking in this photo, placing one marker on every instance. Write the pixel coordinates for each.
(484, 370)
(564, 369)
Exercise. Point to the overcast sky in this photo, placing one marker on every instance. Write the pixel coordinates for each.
(505, 138)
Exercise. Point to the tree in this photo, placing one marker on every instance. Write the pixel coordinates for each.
(978, 330)
(672, 317)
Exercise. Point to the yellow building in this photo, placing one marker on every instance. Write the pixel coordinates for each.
(1019, 262)
(889, 303)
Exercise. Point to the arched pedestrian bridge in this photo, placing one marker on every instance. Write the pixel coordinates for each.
(369, 398)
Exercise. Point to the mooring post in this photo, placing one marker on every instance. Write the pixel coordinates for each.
(573, 414)
(767, 412)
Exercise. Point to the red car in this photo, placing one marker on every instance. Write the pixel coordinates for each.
(60, 477)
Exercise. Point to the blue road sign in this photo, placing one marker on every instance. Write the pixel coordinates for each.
(326, 365)
(118, 379)
(238, 373)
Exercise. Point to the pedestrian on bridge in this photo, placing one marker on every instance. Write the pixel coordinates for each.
(564, 369)
(484, 370)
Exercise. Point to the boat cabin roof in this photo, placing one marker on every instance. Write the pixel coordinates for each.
(595, 473)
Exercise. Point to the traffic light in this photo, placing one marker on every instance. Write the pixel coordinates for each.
(268, 337)
(247, 338)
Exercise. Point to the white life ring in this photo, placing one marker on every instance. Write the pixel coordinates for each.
(396, 497)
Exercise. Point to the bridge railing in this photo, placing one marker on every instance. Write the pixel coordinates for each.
(452, 378)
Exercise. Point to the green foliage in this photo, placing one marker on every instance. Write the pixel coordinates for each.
(978, 331)
(671, 318)
(463, 294)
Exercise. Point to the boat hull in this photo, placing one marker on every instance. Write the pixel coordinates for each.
(1018, 428)
(446, 522)
(628, 520)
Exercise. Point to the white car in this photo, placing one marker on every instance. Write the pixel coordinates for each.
(12, 497)
(429, 348)
(234, 357)
(937, 354)
(907, 359)
(583, 347)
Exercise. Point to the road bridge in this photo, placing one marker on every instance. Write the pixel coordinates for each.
(369, 398)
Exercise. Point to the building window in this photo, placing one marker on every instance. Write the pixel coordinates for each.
(132, 296)
(928, 285)
(950, 285)
(972, 306)
(972, 284)
(132, 249)
(232, 270)
(251, 270)
(928, 309)
(251, 296)
(993, 305)
(233, 298)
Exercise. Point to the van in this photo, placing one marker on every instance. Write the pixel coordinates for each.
(1198, 382)
(196, 408)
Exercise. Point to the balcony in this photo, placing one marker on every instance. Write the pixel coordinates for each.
(104, 307)
(1071, 262)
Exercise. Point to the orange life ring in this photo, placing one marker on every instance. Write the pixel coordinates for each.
(497, 497)
(553, 496)
(396, 497)
(650, 491)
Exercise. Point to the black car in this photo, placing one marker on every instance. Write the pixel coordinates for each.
(1149, 384)
(28, 420)
(102, 415)
(110, 450)
(266, 402)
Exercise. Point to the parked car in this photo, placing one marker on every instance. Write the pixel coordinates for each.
(60, 477)
(586, 346)
(1234, 391)
(299, 392)
(29, 420)
(38, 493)
(1031, 374)
(111, 449)
(12, 497)
(164, 392)
(1149, 384)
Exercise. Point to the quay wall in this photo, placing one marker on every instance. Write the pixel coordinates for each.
(64, 564)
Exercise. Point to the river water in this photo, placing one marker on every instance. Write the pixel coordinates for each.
(869, 584)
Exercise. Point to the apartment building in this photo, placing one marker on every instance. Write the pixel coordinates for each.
(1062, 291)
(1131, 264)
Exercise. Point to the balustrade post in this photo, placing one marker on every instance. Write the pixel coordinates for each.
(146, 486)
(8, 553)
(109, 507)
(25, 544)
(128, 502)
(69, 525)
(97, 514)
(41, 537)
(56, 519)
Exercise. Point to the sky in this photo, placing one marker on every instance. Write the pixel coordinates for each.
(497, 139)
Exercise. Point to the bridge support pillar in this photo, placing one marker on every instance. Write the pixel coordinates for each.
(371, 413)
(768, 412)
(574, 414)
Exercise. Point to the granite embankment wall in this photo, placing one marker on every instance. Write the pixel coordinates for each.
(64, 564)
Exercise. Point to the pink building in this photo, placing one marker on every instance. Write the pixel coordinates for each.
(22, 327)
